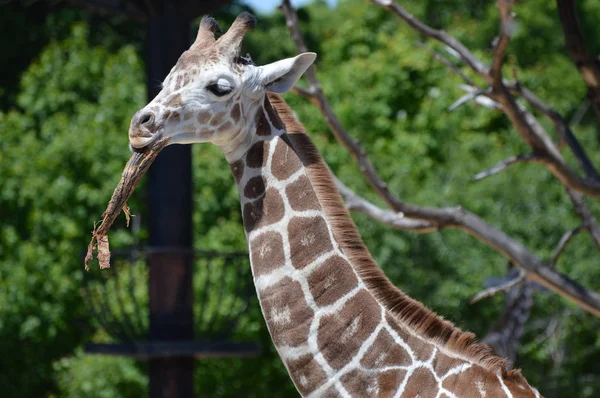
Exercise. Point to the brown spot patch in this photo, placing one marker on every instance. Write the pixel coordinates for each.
(264, 211)
(520, 390)
(175, 101)
(373, 384)
(421, 349)
(286, 312)
(203, 117)
(237, 169)
(254, 188)
(285, 161)
(236, 113)
(476, 379)
(266, 251)
(301, 195)
(390, 381)
(187, 59)
(443, 363)
(422, 383)
(309, 238)
(360, 384)
(173, 116)
(331, 281)
(188, 115)
(331, 392)
(190, 128)
(206, 133)
(186, 78)
(262, 125)
(178, 82)
(218, 119)
(385, 352)
(307, 374)
(341, 335)
(256, 156)
(273, 116)
(225, 127)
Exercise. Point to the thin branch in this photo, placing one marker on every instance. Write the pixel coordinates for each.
(588, 66)
(528, 127)
(455, 217)
(562, 127)
(563, 242)
(463, 52)
(503, 287)
(589, 221)
(318, 98)
(303, 92)
(502, 41)
(528, 157)
(481, 97)
(384, 216)
(504, 338)
(580, 113)
(449, 64)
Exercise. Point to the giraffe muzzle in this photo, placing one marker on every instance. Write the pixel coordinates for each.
(143, 129)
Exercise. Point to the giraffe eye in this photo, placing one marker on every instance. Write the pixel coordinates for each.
(220, 88)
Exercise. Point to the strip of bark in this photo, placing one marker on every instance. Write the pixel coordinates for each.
(136, 167)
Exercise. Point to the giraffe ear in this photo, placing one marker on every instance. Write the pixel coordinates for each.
(281, 76)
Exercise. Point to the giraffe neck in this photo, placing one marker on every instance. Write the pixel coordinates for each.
(334, 330)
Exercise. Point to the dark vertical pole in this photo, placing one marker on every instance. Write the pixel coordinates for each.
(170, 221)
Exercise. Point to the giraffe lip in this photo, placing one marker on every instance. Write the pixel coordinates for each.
(142, 141)
(142, 137)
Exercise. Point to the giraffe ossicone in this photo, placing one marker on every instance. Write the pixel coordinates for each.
(340, 327)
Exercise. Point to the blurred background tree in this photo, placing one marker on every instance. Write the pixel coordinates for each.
(71, 80)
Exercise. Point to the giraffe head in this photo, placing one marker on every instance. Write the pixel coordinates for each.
(212, 93)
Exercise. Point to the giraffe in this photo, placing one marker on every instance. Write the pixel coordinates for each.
(338, 324)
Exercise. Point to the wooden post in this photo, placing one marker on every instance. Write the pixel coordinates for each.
(170, 221)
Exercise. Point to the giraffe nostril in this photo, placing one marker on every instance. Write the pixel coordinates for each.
(146, 119)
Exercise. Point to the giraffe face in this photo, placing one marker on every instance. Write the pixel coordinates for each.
(212, 93)
(199, 102)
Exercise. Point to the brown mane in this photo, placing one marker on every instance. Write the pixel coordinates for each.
(408, 311)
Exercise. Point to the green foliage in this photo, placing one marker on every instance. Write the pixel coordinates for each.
(86, 376)
(64, 144)
(60, 158)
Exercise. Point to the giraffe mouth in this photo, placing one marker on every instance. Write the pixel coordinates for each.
(142, 138)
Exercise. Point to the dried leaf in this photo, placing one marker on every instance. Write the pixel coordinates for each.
(127, 212)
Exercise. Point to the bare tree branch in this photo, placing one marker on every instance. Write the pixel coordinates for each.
(308, 94)
(588, 66)
(481, 97)
(449, 64)
(544, 150)
(502, 41)
(318, 98)
(528, 157)
(456, 217)
(384, 216)
(463, 52)
(525, 123)
(505, 336)
(563, 129)
(562, 243)
(503, 287)
(589, 221)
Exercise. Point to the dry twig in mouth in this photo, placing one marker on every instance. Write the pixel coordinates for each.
(135, 168)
